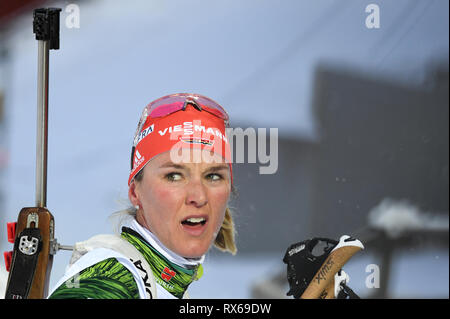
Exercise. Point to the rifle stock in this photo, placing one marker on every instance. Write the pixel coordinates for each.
(34, 243)
(40, 219)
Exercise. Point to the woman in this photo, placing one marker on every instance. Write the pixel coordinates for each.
(179, 186)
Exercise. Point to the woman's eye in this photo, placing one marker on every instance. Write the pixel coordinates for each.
(214, 177)
(173, 177)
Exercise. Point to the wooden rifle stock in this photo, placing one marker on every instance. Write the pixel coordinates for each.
(41, 219)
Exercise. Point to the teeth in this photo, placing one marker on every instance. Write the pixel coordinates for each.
(195, 220)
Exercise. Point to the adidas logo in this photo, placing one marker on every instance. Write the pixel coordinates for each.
(138, 159)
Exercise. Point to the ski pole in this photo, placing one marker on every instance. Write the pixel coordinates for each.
(313, 275)
(323, 281)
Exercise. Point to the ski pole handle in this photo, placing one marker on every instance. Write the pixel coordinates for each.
(324, 278)
(335, 286)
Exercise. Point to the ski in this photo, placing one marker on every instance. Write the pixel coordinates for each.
(30, 262)
(314, 268)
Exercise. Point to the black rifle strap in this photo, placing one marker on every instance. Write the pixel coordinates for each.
(24, 260)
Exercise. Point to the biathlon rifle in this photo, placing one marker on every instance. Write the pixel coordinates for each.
(33, 235)
(314, 268)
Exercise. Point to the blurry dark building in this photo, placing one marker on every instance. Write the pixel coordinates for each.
(378, 139)
(273, 211)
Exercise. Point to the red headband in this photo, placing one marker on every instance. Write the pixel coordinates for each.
(184, 129)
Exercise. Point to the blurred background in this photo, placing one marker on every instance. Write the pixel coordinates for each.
(360, 104)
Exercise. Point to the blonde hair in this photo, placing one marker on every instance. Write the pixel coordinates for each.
(225, 237)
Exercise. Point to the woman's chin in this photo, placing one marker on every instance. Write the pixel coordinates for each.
(193, 249)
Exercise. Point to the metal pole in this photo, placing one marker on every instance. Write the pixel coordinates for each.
(42, 124)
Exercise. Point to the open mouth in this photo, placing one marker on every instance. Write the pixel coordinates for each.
(194, 221)
(195, 226)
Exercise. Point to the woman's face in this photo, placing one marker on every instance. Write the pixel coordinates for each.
(183, 204)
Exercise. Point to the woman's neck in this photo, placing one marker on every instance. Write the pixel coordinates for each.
(166, 252)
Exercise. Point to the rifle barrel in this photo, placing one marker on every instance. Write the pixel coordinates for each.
(42, 124)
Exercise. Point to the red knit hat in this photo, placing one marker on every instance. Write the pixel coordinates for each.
(178, 123)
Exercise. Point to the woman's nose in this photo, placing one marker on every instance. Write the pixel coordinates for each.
(196, 193)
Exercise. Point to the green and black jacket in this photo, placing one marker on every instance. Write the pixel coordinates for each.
(109, 279)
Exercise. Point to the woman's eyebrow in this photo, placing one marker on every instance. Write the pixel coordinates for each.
(209, 169)
(172, 165)
(217, 168)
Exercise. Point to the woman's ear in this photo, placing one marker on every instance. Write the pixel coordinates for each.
(133, 195)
